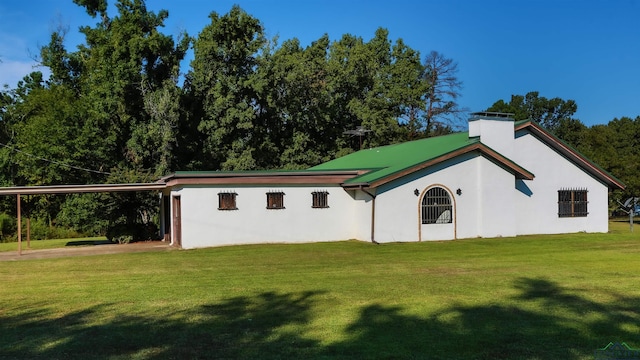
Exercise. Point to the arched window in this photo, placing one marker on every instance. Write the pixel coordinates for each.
(436, 207)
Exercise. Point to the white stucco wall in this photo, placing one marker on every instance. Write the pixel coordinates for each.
(497, 205)
(485, 207)
(538, 208)
(398, 208)
(493, 203)
(535, 204)
(204, 225)
(361, 220)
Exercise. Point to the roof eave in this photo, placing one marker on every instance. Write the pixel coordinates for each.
(255, 178)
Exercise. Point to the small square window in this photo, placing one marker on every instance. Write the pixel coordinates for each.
(572, 203)
(320, 199)
(227, 201)
(275, 200)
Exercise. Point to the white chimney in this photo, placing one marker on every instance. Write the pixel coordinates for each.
(496, 130)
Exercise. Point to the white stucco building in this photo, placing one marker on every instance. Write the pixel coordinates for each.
(501, 178)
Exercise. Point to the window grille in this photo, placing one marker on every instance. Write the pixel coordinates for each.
(572, 203)
(436, 207)
(227, 201)
(320, 199)
(275, 200)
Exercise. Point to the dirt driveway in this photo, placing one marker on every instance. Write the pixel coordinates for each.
(85, 250)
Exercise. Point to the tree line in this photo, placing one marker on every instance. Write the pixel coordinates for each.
(119, 109)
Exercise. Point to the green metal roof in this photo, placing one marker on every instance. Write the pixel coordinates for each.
(387, 160)
(376, 166)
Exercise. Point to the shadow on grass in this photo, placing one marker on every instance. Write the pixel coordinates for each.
(544, 321)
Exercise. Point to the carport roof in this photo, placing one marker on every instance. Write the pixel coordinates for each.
(70, 189)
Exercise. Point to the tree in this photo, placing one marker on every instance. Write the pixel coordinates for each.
(547, 112)
(375, 85)
(295, 103)
(103, 115)
(122, 55)
(572, 131)
(409, 89)
(442, 110)
(157, 138)
(616, 147)
(393, 88)
(222, 84)
(126, 59)
(50, 153)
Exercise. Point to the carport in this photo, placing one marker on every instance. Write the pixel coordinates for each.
(19, 191)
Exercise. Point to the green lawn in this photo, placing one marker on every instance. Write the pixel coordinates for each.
(532, 297)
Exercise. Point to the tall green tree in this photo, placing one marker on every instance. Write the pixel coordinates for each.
(44, 143)
(410, 90)
(222, 83)
(124, 55)
(616, 147)
(294, 104)
(157, 138)
(546, 112)
(109, 100)
(375, 85)
(47, 139)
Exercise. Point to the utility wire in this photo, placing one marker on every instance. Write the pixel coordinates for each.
(55, 162)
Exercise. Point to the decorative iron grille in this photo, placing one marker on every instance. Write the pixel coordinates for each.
(572, 203)
(436, 207)
(275, 200)
(227, 201)
(320, 199)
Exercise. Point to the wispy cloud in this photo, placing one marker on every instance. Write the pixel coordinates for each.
(15, 47)
(12, 71)
(17, 59)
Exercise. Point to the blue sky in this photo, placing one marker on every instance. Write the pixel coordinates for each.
(584, 50)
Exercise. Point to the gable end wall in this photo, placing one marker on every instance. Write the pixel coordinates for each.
(538, 205)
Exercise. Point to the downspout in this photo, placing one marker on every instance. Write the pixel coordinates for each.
(373, 214)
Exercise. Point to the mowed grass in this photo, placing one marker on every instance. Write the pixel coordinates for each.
(51, 244)
(531, 297)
